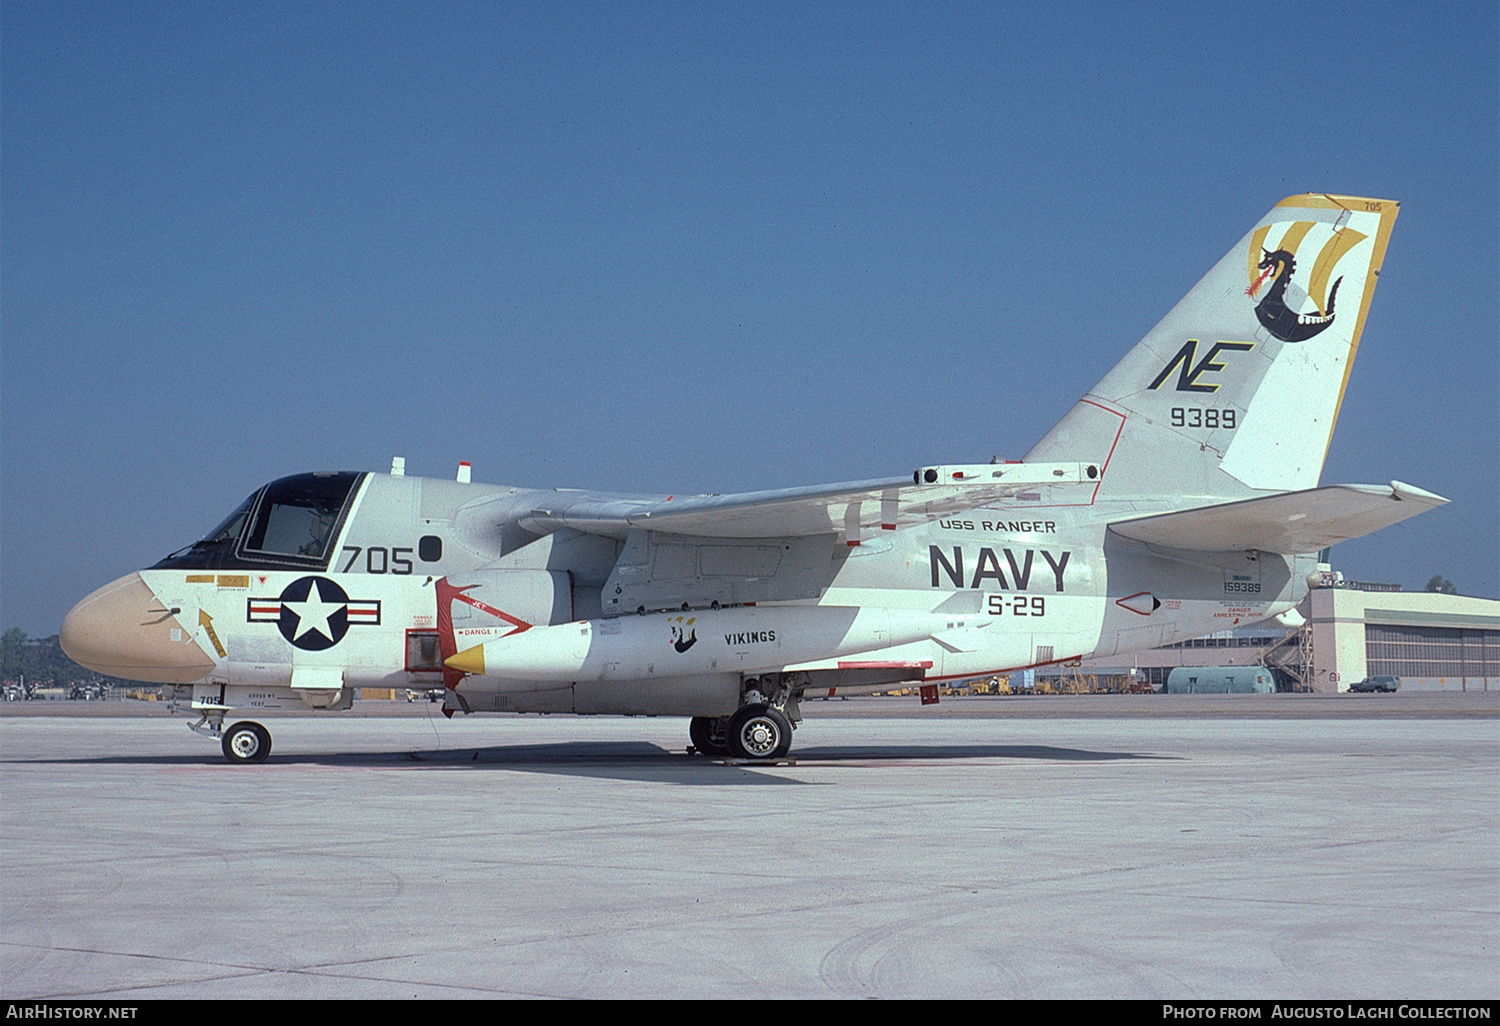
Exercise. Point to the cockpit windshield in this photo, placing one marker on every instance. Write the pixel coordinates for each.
(229, 529)
(291, 522)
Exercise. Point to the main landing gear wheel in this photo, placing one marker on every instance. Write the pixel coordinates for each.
(709, 735)
(759, 732)
(247, 742)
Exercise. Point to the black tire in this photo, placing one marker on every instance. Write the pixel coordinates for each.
(709, 735)
(759, 732)
(246, 742)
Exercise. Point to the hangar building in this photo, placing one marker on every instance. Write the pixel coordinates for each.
(1431, 641)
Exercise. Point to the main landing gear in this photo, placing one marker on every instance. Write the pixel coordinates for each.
(709, 735)
(760, 731)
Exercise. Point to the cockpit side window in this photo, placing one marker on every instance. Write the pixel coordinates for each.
(291, 529)
(297, 515)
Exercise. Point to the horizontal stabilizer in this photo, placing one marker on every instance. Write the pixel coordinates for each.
(1292, 522)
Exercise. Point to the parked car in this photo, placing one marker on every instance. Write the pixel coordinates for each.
(1377, 684)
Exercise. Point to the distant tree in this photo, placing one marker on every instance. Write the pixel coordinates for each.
(1441, 585)
(12, 653)
(41, 660)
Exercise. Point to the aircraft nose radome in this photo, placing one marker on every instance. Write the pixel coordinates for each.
(124, 630)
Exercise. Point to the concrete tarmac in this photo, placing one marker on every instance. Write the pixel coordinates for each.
(1314, 847)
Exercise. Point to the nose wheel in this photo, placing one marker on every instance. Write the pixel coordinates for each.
(246, 742)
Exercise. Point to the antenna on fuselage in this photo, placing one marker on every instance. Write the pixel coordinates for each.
(398, 466)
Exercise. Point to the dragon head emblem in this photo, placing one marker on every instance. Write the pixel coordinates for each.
(1273, 312)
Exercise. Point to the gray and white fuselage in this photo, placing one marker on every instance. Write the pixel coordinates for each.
(1178, 497)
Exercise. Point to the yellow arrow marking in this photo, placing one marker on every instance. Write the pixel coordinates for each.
(207, 623)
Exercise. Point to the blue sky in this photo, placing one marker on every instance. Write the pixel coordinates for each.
(692, 248)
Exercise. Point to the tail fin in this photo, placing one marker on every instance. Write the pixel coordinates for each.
(1236, 391)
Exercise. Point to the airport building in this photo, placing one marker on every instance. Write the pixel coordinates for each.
(1431, 641)
(1352, 631)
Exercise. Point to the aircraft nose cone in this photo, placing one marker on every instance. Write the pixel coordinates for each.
(124, 630)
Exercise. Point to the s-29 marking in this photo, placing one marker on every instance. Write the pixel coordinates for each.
(1019, 605)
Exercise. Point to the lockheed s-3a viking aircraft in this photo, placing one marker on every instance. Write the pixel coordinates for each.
(1178, 497)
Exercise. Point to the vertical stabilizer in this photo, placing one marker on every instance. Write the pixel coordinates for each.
(1236, 391)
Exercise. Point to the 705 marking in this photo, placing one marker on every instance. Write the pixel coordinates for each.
(379, 560)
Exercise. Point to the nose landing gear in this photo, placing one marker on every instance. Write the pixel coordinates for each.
(246, 742)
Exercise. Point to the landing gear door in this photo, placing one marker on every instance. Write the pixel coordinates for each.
(322, 687)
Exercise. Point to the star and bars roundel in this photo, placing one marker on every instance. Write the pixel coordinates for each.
(313, 613)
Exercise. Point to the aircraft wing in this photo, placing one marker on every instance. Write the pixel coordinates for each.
(1293, 522)
(850, 507)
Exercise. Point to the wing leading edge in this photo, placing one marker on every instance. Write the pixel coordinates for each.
(851, 507)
